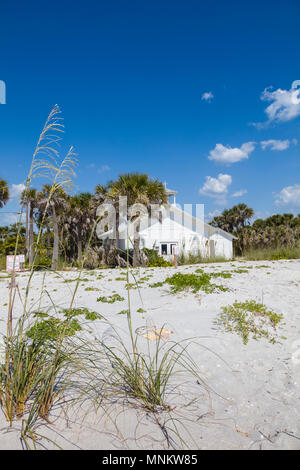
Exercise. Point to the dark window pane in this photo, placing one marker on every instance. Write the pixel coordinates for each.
(164, 249)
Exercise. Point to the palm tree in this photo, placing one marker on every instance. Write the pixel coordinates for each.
(233, 219)
(4, 193)
(102, 192)
(56, 203)
(138, 189)
(29, 199)
(106, 194)
(81, 218)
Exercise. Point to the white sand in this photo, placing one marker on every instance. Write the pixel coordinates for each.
(256, 398)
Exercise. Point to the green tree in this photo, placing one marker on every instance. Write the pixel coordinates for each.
(56, 205)
(81, 219)
(4, 193)
(233, 219)
(139, 189)
(30, 201)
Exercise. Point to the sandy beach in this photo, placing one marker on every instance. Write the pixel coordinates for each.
(253, 395)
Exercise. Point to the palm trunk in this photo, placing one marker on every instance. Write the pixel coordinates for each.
(136, 246)
(48, 240)
(56, 240)
(79, 248)
(27, 231)
(31, 237)
(117, 228)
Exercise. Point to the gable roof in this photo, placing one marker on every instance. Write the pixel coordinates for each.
(209, 227)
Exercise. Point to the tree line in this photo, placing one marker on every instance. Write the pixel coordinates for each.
(67, 221)
(276, 231)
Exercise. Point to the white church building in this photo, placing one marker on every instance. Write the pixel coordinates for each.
(177, 231)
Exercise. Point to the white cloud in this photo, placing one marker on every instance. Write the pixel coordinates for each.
(216, 188)
(103, 168)
(239, 193)
(227, 154)
(285, 104)
(290, 195)
(207, 96)
(275, 144)
(16, 190)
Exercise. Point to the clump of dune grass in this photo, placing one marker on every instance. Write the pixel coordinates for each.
(148, 377)
(273, 253)
(157, 377)
(184, 259)
(249, 320)
(36, 371)
(153, 375)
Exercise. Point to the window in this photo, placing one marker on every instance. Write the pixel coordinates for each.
(164, 249)
(173, 248)
(168, 248)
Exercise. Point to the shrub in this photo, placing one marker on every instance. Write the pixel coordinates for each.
(194, 282)
(249, 318)
(88, 314)
(156, 284)
(53, 328)
(111, 299)
(43, 262)
(124, 312)
(154, 260)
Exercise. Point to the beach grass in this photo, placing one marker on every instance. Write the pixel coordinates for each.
(186, 259)
(273, 253)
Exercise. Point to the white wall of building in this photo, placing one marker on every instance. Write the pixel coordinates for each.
(209, 242)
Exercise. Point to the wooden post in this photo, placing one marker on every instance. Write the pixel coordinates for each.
(175, 261)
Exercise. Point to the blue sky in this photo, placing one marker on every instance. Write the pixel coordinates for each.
(177, 89)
